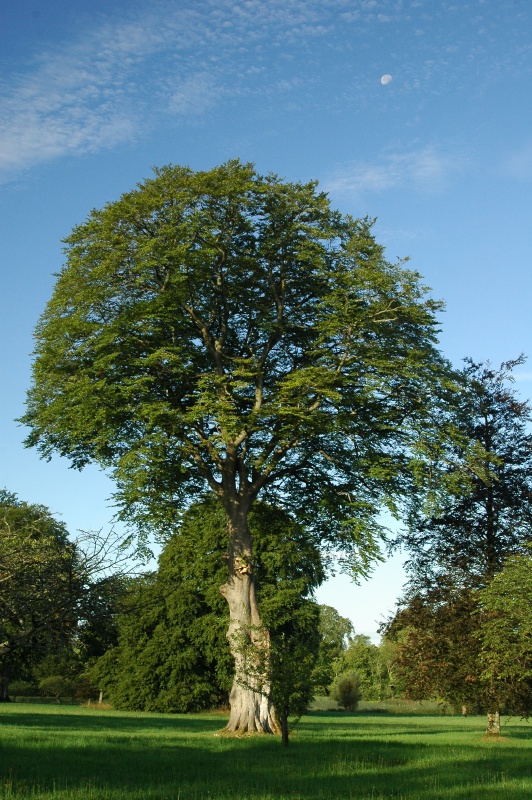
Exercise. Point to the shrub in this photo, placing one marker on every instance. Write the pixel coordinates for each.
(346, 691)
(55, 686)
(22, 689)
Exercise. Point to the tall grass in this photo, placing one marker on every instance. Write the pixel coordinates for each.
(72, 753)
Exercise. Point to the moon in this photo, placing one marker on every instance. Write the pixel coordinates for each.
(386, 79)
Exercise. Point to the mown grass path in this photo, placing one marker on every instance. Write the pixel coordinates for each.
(70, 753)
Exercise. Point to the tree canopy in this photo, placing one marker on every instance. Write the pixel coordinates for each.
(437, 652)
(40, 584)
(58, 596)
(336, 633)
(229, 330)
(371, 663)
(461, 549)
(505, 635)
(469, 537)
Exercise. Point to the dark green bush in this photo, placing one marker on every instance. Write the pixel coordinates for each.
(346, 691)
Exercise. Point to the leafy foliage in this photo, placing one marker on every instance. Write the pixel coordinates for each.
(225, 328)
(461, 550)
(336, 633)
(438, 651)
(346, 691)
(505, 635)
(58, 597)
(475, 531)
(40, 584)
(373, 666)
(172, 653)
(56, 686)
(292, 657)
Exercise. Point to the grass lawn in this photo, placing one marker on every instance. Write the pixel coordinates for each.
(72, 753)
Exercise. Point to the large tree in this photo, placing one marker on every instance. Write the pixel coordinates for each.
(461, 549)
(228, 330)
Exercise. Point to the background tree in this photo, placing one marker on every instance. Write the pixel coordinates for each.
(104, 599)
(172, 653)
(336, 633)
(437, 650)
(388, 660)
(472, 648)
(460, 549)
(162, 662)
(56, 595)
(40, 585)
(505, 635)
(227, 330)
(473, 532)
(369, 662)
(101, 600)
(56, 686)
(346, 691)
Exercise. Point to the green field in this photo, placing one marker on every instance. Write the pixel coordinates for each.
(75, 753)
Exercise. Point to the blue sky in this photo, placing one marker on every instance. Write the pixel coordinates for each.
(93, 93)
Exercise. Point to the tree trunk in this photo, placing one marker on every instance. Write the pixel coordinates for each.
(494, 724)
(284, 728)
(4, 686)
(251, 708)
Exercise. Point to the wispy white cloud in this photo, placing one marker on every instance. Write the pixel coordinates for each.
(181, 59)
(194, 95)
(74, 100)
(425, 168)
(92, 94)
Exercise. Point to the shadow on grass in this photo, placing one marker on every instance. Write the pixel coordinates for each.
(346, 724)
(513, 732)
(99, 721)
(163, 757)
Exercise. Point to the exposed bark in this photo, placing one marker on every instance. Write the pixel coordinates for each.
(251, 708)
(494, 724)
